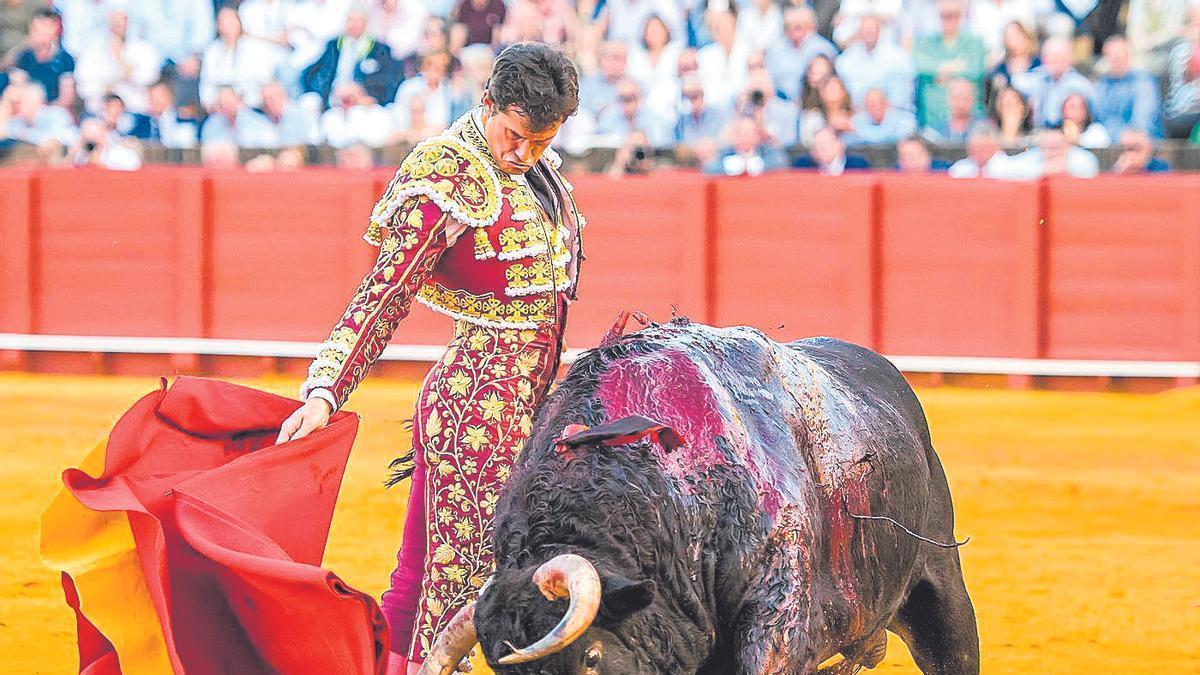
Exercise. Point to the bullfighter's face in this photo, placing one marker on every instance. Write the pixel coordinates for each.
(514, 144)
(514, 613)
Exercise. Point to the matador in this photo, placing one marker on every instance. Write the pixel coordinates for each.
(477, 224)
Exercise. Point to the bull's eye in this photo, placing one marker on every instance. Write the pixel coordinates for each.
(591, 657)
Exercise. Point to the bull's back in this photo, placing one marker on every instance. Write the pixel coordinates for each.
(870, 375)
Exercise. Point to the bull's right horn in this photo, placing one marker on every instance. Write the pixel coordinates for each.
(453, 645)
(455, 641)
(565, 576)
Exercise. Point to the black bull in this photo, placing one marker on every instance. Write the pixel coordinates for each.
(759, 530)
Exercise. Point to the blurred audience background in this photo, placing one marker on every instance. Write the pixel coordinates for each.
(997, 88)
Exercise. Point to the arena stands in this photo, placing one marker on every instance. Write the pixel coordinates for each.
(1010, 89)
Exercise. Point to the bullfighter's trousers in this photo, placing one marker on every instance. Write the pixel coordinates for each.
(474, 412)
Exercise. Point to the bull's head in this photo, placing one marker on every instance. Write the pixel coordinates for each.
(568, 615)
(585, 637)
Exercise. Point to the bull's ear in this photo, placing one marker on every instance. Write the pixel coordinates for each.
(622, 597)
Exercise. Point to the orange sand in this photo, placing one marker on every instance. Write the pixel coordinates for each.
(1084, 511)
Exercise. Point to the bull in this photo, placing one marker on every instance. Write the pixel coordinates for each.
(706, 500)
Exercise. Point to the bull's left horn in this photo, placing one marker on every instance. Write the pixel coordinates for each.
(565, 576)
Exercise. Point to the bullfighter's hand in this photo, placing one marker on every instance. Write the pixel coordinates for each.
(313, 415)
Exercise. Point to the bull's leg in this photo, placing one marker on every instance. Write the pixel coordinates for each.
(770, 642)
(937, 620)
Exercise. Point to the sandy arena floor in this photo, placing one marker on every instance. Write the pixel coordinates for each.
(1084, 511)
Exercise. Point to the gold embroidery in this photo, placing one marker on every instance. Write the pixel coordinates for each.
(483, 245)
(513, 239)
(486, 309)
(470, 455)
(521, 276)
(450, 172)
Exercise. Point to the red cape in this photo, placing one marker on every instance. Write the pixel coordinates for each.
(229, 533)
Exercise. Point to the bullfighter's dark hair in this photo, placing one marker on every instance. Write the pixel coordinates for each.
(538, 81)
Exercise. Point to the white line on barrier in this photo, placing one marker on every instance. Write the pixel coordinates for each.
(289, 349)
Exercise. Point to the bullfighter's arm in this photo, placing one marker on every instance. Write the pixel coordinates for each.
(414, 242)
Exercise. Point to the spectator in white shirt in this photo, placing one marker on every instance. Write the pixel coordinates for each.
(85, 23)
(287, 122)
(34, 122)
(178, 29)
(618, 122)
(1153, 27)
(760, 24)
(1050, 83)
(654, 61)
(312, 24)
(1053, 156)
(848, 22)
(870, 63)
(398, 24)
(623, 19)
(355, 119)
(788, 60)
(878, 123)
(234, 60)
(266, 20)
(98, 146)
(232, 121)
(433, 87)
(723, 62)
(599, 90)
(989, 18)
(1078, 125)
(120, 64)
(984, 157)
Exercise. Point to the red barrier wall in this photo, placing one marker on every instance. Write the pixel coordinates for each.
(1124, 268)
(117, 252)
(906, 265)
(297, 247)
(963, 278)
(646, 248)
(795, 251)
(16, 252)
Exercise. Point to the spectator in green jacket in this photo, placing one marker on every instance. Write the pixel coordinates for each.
(948, 55)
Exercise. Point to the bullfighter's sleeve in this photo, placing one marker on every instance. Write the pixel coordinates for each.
(414, 242)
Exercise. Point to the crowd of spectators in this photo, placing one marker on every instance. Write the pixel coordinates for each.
(1028, 87)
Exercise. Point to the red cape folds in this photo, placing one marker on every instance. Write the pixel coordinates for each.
(198, 548)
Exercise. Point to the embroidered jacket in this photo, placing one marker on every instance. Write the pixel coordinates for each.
(505, 270)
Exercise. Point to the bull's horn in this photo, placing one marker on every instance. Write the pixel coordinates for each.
(453, 645)
(455, 642)
(565, 576)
